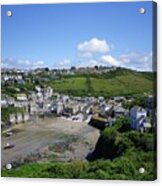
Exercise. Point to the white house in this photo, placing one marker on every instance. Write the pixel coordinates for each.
(18, 77)
(3, 102)
(105, 109)
(59, 108)
(6, 100)
(10, 100)
(74, 107)
(12, 118)
(48, 92)
(21, 104)
(64, 98)
(26, 117)
(22, 97)
(32, 108)
(119, 111)
(137, 115)
(146, 125)
(19, 117)
(38, 88)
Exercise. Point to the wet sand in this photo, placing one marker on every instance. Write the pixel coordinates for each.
(32, 137)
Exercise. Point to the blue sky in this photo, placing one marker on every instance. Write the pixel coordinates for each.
(64, 35)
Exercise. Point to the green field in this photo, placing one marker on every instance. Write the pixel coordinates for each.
(83, 85)
(115, 83)
(72, 83)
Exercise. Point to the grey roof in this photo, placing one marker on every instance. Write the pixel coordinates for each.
(137, 109)
(119, 109)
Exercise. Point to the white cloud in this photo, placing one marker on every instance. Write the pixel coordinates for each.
(96, 51)
(39, 63)
(64, 62)
(85, 55)
(111, 61)
(91, 63)
(94, 45)
(137, 61)
(90, 53)
(88, 63)
(22, 64)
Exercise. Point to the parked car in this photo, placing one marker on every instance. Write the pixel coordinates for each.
(8, 146)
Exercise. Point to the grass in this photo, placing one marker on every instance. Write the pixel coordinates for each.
(116, 83)
(124, 84)
(69, 84)
(119, 169)
(64, 143)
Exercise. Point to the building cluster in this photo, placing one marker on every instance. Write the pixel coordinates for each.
(11, 79)
(19, 117)
(98, 112)
(16, 74)
(140, 118)
(33, 104)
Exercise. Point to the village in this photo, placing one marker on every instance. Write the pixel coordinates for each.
(41, 123)
(98, 112)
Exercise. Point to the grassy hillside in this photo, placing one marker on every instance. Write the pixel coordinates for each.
(108, 84)
(114, 83)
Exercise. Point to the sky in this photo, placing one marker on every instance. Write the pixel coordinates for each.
(81, 35)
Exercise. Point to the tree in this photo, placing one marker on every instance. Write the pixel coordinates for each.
(122, 124)
(96, 67)
(111, 144)
(73, 68)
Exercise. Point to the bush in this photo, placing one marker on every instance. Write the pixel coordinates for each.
(142, 141)
(111, 144)
(123, 124)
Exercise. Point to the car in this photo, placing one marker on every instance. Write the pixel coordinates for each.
(8, 146)
(8, 134)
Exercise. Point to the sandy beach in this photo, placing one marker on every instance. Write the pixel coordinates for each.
(34, 137)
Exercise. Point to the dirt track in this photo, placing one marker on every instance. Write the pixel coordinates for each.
(31, 138)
